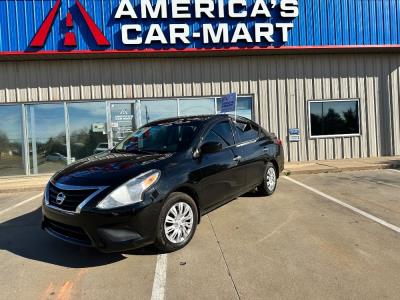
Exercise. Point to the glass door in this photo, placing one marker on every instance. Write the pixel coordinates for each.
(87, 129)
(46, 137)
(11, 141)
(122, 120)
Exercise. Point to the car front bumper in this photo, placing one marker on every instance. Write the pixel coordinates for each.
(107, 231)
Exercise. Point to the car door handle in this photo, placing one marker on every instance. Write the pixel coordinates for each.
(237, 158)
(265, 149)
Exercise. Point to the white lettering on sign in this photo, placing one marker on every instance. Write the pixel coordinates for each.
(264, 30)
(180, 9)
(219, 36)
(158, 11)
(181, 32)
(241, 33)
(204, 8)
(211, 31)
(126, 29)
(260, 8)
(237, 5)
(290, 8)
(125, 9)
(285, 30)
(155, 35)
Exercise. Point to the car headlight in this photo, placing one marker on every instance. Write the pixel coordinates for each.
(46, 194)
(130, 192)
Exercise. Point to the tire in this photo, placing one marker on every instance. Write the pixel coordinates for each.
(267, 188)
(184, 227)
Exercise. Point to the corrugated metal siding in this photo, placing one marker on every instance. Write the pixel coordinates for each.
(281, 86)
(320, 23)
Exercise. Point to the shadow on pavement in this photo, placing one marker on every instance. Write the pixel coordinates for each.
(24, 237)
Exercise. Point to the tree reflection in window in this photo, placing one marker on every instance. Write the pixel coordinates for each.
(334, 117)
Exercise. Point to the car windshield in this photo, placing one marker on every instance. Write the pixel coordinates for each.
(160, 138)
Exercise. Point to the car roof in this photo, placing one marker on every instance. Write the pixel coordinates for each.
(201, 118)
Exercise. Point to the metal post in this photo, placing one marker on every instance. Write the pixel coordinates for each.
(140, 113)
(236, 98)
(26, 158)
(67, 134)
(33, 137)
(109, 125)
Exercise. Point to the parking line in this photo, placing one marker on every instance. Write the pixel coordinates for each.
(394, 170)
(20, 203)
(354, 209)
(160, 278)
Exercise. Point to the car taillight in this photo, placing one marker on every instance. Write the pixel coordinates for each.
(278, 141)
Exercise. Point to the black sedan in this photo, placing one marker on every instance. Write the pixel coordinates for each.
(156, 184)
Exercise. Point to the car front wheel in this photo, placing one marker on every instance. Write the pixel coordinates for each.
(177, 222)
(270, 180)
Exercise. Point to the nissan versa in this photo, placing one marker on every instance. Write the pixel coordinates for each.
(155, 185)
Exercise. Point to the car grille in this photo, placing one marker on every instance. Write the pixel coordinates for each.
(72, 197)
(67, 232)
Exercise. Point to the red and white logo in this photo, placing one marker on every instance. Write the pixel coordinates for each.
(41, 35)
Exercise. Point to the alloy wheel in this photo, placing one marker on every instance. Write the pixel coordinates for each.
(178, 223)
(271, 179)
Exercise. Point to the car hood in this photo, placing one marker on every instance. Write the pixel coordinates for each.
(109, 168)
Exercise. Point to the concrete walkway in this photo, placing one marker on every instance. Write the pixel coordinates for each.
(334, 166)
(23, 183)
(37, 183)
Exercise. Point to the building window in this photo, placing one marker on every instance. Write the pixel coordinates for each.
(46, 137)
(199, 106)
(244, 106)
(87, 128)
(152, 110)
(11, 141)
(334, 118)
(38, 138)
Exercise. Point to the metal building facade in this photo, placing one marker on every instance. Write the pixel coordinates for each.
(320, 23)
(281, 85)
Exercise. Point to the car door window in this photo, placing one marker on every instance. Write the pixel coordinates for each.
(213, 137)
(221, 133)
(246, 131)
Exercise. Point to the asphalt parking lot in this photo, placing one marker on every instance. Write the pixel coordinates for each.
(323, 236)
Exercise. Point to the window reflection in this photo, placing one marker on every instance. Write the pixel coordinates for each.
(334, 118)
(152, 110)
(47, 143)
(11, 140)
(190, 107)
(244, 107)
(87, 122)
(123, 120)
(88, 130)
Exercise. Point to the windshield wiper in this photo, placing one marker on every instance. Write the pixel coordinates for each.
(134, 151)
(117, 151)
(138, 151)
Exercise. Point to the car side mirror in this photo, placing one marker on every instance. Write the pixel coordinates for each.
(211, 147)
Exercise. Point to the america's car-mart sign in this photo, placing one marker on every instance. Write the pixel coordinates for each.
(214, 29)
(169, 24)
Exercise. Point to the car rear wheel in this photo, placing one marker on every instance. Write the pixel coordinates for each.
(270, 180)
(177, 222)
